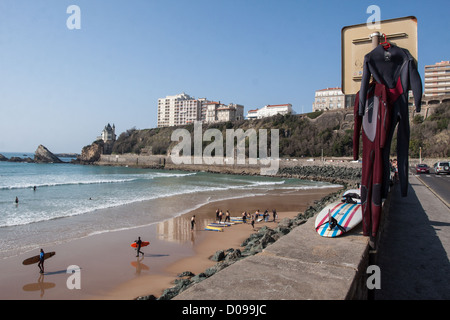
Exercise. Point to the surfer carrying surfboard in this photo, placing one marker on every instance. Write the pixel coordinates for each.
(138, 246)
(41, 261)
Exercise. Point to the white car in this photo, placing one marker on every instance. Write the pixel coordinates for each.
(442, 167)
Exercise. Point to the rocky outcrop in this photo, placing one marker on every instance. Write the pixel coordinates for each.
(43, 155)
(16, 159)
(19, 159)
(91, 153)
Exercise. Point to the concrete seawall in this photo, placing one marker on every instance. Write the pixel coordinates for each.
(165, 162)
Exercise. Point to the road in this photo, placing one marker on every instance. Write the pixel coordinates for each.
(438, 184)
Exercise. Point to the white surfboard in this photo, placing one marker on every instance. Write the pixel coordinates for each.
(346, 216)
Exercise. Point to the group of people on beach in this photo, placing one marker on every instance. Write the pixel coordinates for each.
(220, 214)
(248, 216)
(226, 217)
(254, 217)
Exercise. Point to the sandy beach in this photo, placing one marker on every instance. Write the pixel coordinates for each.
(109, 268)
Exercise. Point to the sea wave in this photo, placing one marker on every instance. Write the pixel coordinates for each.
(64, 183)
(81, 181)
(174, 175)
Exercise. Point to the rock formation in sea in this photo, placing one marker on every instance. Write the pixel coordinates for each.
(43, 155)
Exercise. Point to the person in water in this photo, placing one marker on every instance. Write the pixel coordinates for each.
(138, 246)
(41, 261)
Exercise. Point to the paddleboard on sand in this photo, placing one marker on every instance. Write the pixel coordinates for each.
(35, 259)
(208, 228)
(338, 218)
(143, 244)
(220, 225)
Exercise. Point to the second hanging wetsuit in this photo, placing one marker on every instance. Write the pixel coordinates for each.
(373, 126)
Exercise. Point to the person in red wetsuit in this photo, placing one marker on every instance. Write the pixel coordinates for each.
(375, 125)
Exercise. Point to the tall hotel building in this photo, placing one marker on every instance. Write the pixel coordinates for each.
(180, 109)
(437, 79)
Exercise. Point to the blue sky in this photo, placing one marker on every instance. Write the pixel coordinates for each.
(60, 87)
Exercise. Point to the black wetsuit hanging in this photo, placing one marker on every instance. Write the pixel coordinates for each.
(395, 68)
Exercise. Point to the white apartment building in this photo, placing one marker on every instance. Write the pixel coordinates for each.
(183, 109)
(211, 111)
(269, 111)
(232, 112)
(437, 79)
(178, 110)
(328, 99)
(252, 114)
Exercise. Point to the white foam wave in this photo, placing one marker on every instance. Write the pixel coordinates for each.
(83, 181)
(65, 183)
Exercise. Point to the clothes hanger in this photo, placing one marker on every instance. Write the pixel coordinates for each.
(386, 45)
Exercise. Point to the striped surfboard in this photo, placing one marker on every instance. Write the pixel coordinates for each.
(209, 228)
(347, 216)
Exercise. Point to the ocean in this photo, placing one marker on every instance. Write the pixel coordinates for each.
(61, 202)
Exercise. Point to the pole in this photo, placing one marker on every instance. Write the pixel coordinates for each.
(375, 39)
(420, 154)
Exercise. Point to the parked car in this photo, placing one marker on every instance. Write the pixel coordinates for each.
(442, 167)
(422, 168)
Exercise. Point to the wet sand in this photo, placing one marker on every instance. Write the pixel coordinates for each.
(109, 268)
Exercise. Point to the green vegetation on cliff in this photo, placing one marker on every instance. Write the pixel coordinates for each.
(431, 134)
(302, 135)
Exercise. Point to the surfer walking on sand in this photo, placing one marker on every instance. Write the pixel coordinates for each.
(138, 246)
(41, 261)
(193, 222)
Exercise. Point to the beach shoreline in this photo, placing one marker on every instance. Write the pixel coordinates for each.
(109, 268)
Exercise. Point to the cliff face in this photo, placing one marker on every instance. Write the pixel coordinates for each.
(91, 153)
(43, 155)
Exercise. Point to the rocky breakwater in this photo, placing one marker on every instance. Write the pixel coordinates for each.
(43, 155)
(330, 173)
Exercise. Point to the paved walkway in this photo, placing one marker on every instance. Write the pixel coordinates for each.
(414, 250)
